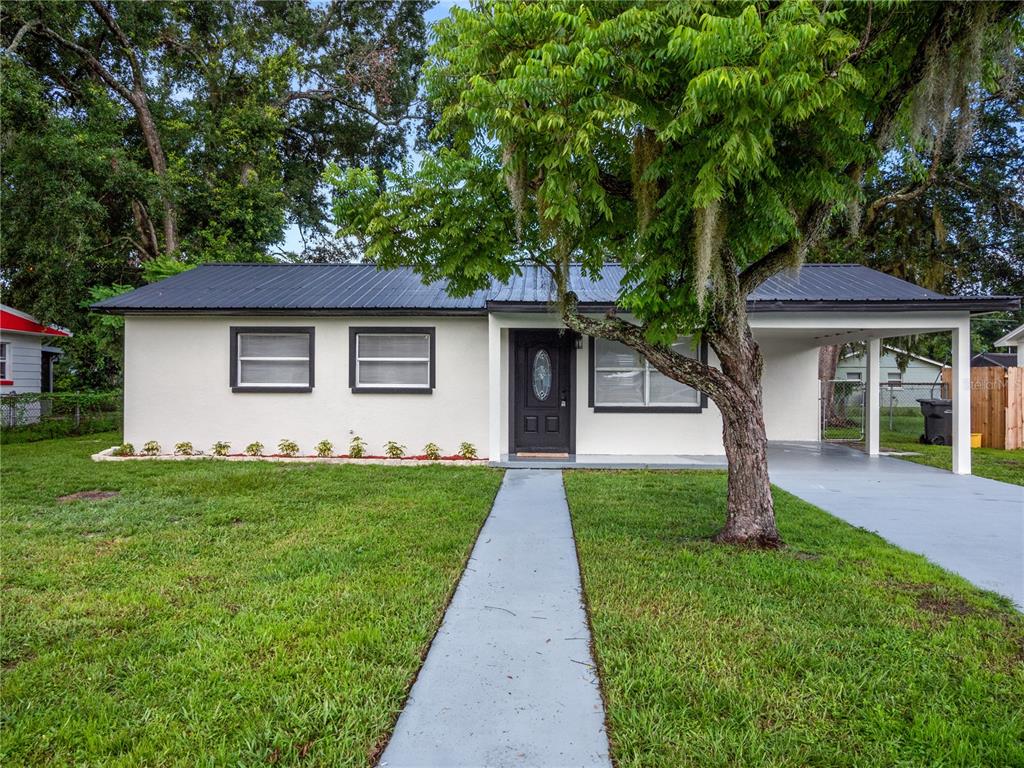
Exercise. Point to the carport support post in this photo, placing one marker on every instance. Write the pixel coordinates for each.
(961, 385)
(872, 397)
(493, 389)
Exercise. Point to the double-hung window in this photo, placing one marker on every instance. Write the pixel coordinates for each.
(272, 359)
(623, 380)
(391, 360)
(4, 347)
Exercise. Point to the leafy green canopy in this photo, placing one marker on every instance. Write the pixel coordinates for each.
(249, 102)
(690, 141)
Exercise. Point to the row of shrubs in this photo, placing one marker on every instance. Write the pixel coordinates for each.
(324, 449)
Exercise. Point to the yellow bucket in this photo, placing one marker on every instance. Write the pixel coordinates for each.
(975, 439)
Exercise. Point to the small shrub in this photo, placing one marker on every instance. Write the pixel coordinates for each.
(125, 449)
(254, 449)
(288, 447)
(325, 448)
(220, 448)
(183, 449)
(357, 448)
(394, 450)
(467, 451)
(432, 451)
(151, 448)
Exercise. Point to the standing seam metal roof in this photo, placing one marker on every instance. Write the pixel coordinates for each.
(362, 287)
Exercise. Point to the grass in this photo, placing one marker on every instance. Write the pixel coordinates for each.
(219, 613)
(840, 650)
(993, 463)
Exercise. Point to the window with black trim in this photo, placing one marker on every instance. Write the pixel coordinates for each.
(391, 360)
(278, 359)
(621, 379)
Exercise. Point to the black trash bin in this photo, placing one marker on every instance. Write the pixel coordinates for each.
(938, 421)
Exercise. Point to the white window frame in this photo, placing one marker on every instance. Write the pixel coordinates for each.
(355, 361)
(237, 385)
(645, 369)
(4, 359)
(854, 376)
(892, 383)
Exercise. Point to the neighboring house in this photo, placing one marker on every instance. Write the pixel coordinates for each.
(919, 370)
(1014, 338)
(27, 352)
(995, 360)
(245, 352)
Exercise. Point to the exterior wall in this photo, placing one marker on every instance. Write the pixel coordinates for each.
(177, 388)
(643, 433)
(24, 362)
(918, 371)
(790, 401)
(790, 390)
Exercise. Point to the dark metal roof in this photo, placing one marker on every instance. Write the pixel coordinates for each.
(363, 289)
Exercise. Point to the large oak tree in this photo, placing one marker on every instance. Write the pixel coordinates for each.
(704, 145)
(164, 133)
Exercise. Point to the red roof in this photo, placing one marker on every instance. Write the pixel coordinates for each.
(13, 320)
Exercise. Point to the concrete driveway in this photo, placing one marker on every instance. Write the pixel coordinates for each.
(966, 524)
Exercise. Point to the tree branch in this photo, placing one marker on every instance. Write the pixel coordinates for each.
(327, 94)
(690, 371)
(27, 27)
(812, 229)
(102, 72)
(129, 51)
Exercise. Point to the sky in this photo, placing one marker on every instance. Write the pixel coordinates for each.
(292, 240)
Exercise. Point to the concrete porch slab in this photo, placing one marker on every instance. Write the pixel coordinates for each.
(607, 461)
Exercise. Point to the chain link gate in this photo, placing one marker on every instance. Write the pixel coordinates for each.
(841, 409)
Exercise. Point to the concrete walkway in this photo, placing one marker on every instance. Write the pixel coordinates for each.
(509, 680)
(966, 524)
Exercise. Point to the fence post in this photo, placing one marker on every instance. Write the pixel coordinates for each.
(78, 416)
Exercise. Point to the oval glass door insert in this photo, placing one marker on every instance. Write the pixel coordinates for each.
(541, 375)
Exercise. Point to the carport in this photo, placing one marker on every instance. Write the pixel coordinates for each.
(870, 306)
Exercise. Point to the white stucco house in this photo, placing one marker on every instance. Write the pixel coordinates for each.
(246, 352)
(853, 366)
(28, 350)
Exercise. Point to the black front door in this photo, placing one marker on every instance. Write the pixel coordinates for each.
(542, 405)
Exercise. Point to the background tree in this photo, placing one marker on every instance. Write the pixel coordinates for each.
(187, 131)
(704, 145)
(950, 215)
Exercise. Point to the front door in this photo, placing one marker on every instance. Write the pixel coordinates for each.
(542, 404)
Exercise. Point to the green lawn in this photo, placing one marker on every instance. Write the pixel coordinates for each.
(219, 613)
(839, 650)
(992, 463)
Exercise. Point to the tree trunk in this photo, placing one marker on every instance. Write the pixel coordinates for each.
(828, 361)
(736, 390)
(750, 518)
(159, 161)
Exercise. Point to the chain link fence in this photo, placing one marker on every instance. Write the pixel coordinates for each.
(900, 418)
(28, 416)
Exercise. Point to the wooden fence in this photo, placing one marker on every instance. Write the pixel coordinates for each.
(997, 405)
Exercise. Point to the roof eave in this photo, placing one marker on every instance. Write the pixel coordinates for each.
(975, 305)
(303, 311)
